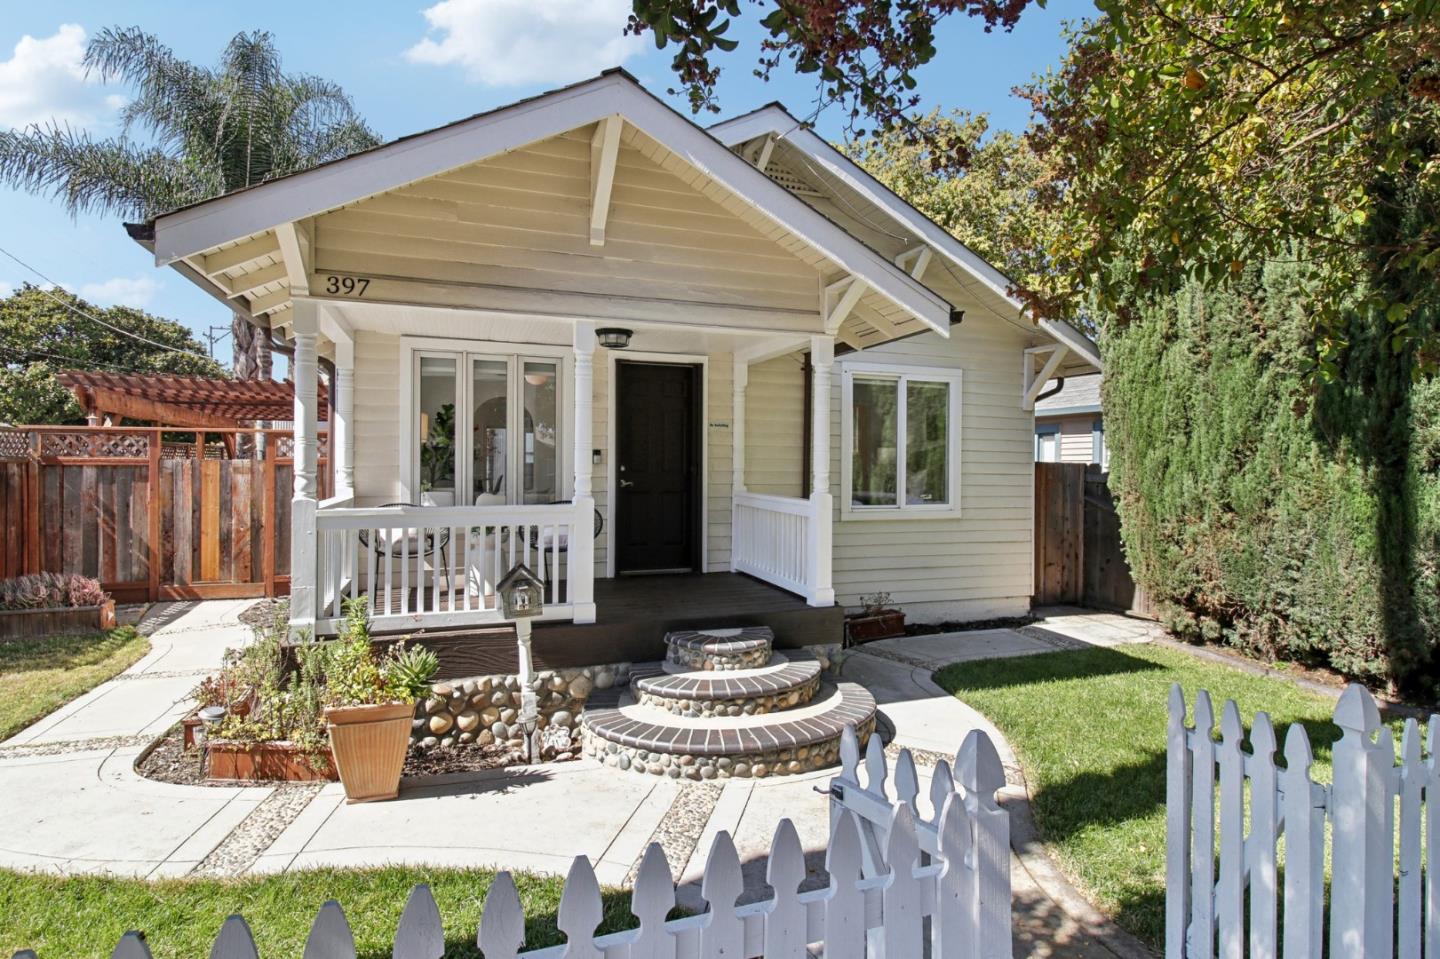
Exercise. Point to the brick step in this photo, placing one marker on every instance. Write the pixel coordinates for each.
(790, 680)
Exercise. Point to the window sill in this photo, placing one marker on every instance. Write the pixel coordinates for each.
(895, 514)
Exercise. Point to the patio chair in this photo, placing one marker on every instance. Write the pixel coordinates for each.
(560, 542)
(403, 541)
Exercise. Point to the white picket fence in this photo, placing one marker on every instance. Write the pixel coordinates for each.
(902, 885)
(1225, 894)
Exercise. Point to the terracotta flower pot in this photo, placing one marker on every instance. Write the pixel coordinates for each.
(369, 744)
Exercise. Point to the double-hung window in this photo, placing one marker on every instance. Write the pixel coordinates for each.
(486, 428)
(900, 441)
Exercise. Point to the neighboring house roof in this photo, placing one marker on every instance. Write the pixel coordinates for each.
(184, 401)
(844, 174)
(245, 218)
(1078, 394)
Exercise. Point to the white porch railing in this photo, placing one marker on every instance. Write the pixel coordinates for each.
(439, 566)
(774, 538)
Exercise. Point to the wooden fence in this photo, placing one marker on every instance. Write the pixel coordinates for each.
(1226, 893)
(913, 903)
(1079, 557)
(153, 514)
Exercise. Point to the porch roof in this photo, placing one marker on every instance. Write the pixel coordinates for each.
(252, 246)
(851, 186)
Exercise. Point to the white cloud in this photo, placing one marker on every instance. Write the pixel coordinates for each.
(45, 80)
(6, 289)
(519, 42)
(122, 291)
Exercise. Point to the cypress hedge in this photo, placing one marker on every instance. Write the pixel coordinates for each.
(1292, 520)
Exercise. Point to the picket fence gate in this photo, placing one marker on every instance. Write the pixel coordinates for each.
(901, 886)
(1384, 889)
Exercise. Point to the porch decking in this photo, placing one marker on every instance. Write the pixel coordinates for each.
(633, 614)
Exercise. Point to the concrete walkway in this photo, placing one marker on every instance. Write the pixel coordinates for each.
(73, 803)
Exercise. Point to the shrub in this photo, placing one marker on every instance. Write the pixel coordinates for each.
(50, 590)
(1292, 521)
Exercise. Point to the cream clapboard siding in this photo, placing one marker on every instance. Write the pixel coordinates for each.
(775, 427)
(520, 221)
(377, 423)
(978, 565)
(1077, 440)
(377, 438)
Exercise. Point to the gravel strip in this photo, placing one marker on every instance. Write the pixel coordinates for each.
(679, 832)
(163, 674)
(72, 746)
(257, 831)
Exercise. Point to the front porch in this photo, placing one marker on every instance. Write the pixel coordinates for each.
(432, 560)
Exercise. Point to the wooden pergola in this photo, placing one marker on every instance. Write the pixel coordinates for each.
(182, 402)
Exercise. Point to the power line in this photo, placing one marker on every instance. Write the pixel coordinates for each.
(91, 317)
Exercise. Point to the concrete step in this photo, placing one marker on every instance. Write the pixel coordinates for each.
(720, 648)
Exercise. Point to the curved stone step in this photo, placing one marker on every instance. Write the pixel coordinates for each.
(739, 647)
(789, 681)
(629, 735)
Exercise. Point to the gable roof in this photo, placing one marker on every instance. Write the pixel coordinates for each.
(1078, 394)
(774, 119)
(258, 209)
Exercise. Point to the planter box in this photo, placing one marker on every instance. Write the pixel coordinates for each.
(265, 762)
(34, 623)
(864, 627)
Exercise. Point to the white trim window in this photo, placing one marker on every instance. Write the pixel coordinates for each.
(1047, 443)
(899, 441)
(486, 427)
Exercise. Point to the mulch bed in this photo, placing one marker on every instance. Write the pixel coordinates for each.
(265, 613)
(169, 762)
(929, 629)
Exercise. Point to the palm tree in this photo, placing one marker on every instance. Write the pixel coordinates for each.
(207, 132)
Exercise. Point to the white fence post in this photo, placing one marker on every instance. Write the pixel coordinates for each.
(1362, 861)
(1177, 827)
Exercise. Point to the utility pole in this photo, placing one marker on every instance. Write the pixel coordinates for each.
(212, 337)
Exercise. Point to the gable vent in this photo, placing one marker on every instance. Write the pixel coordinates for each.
(789, 179)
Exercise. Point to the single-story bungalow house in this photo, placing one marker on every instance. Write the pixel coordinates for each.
(687, 375)
(1070, 424)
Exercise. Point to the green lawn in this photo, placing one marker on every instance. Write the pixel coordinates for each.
(38, 676)
(71, 918)
(1089, 729)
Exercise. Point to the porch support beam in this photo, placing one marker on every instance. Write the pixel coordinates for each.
(739, 383)
(294, 240)
(1035, 382)
(604, 151)
(822, 361)
(920, 256)
(582, 531)
(854, 289)
(304, 501)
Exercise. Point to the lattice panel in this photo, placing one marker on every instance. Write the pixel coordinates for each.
(64, 444)
(14, 445)
(122, 445)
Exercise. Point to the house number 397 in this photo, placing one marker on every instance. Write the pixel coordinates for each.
(346, 285)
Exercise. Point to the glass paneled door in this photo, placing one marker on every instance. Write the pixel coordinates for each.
(487, 429)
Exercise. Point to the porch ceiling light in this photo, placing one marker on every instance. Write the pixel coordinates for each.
(614, 338)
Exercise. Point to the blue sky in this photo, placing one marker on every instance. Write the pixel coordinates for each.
(408, 66)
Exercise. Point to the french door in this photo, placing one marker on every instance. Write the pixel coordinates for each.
(487, 428)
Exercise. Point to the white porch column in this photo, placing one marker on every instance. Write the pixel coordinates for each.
(582, 534)
(342, 430)
(822, 360)
(305, 328)
(737, 454)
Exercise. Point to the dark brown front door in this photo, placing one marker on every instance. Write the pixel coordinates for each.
(657, 467)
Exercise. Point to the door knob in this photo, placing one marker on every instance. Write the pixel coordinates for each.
(624, 483)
